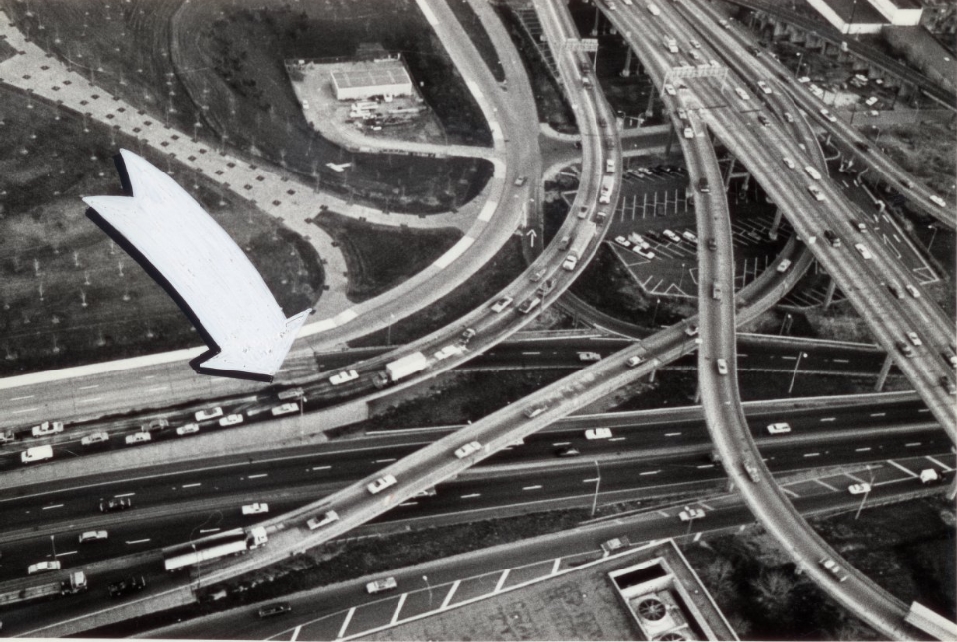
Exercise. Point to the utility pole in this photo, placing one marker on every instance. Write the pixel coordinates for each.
(594, 505)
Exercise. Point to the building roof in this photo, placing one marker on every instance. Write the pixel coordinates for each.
(372, 75)
(861, 10)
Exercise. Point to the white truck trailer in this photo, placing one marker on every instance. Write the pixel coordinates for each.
(232, 542)
(585, 234)
(401, 368)
(74, 583)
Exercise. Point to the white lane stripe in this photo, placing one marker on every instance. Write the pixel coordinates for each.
(501, 581)
(66, 553)
(825, 419)
(384, 461)
(812, 454)
(862, 450)
(617, 439)
(912, 444)
(52, 506)
(790, 492)
(557, 565)
(705, 506)
(470, 496)
(878, 414)
(295, 633)
(23, 397)
(448, 596)
(672, 434)
(590, 481)
(398, 608)
(321, 467)
(193, 485)
(649, 472)
(125, 495)
(95, 385)
(706, 466)
(826, 485)
(841, 360)
(896, 465)
(209, 530)
(345, 622)
(156, 388)
(17, 412)
(138, 541)
(946, 468)
(90, 400)
(532, 487)
(257, 476)
(561, 443)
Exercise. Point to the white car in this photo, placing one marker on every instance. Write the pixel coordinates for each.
(689, 236)
(203, 415)
(633, 361)
(914, 292)
(94, 438)
(384, 584)
(682, 114)
(688, 132)
(742, 94)
(258, 508)
(342, 377)
(828, 115)
(816, 193)
(598, 433)
(40, 567)
(327, 518)
(231, 420)
(788, 162)
(622, 241)
(671, 236)
(670, 90)
(864, 252)
(764, 87)
(779, 429)
(696, 44)
(784, 265)
(690, 513)
(138, 438)
(502, 303)
(788, 116)
(589, 356)
(722, 365)
(285, 409)
(936, 200)
(813, 173)
(804, 80)
(47, 428)
(92, 536)
(381, 484)
(187, 429)
(859, 489)
(468, 449)
(642, 252)
(914, 339)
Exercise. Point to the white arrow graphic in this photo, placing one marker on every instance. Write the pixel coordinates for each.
(531, 234)
(247, 331)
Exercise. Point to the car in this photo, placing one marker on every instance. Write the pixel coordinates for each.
(259, 508)
(914, 339)
(859, 489)
(690, 513)
(642, 252)
(633, 361)
(42, 567)
(764, 87)
(622, 241)
(724, 24)
(47, 428)
(857, 225)
(92, 536)
(816, 193)
(742, 94)
(231, 420)
(863, 251)
(936, 200)
(637, 239)
(95, 438)
(384, 584)
(583, 211)
(671, 236)
(754, 51)
(913, 291)
(381, 484)
(568, 452)
(948, 385)
(695, 55)
(861, 145)
(520, 181)
(598, 433)
(784, 265)
(615, 544)
(873, 113)
(534, 411)
(722, 365)
(115, 504)
(274, 609)
(688, 132)
(831, 566)
(788, 116)
(129, 585)
(691, 330)
(689, 236)
(906, 349)
(951, 359)
(468, 449)
(716, 291)
(448, 351)
(502, 303)
(712, 244)
(203, 415)
(788, 162)
(804, 80)
(327, 518)
(138, 438)
(813, 173)
(537, 276)
(779, 428)
(832, 238)
(589, 356)
(187, 429)
(285, 409)
(670, 90)
(342, 377)
(6, 436)
(682, 114)
(828, 115)
(896, 291)
(695, 44)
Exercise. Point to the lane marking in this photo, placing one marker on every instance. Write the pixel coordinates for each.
(896, 465)
(156, 388)
(590, 481)
(209, 530)
(321, 467)
(470, 496)
(561, 443)
(22, 398)
(706, 466)
(532, 487)
(17, 412)
(90, 400)
(924, 410)
(295, 633)
(409, 503)
(787, 491)
(448, 596)
(912, 444)
(125, 495)
(91, 386)
(862, 450)
(649, 472)
(617, 439)
(826, 419)
(53, 506)
(672, 434)
(841, 360)
(878, 414)
(705, 506)
(384, 461)
(531, 353)
(946, 468)
(257, 476)
(66, 553)
(663, 513)
(812, 454)
(398, 608)
(556, 565)
(827, 485)
(501, 581)
(193, 485)
(138, 541)
(345, 622)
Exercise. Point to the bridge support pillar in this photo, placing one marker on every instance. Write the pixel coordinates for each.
(651, 377)
(727, 178)
(671, 139)
(882, 376)
(627, 70)
(594, 29)
(829, 296)
(773, 232)
(650, 110)
(697, 395)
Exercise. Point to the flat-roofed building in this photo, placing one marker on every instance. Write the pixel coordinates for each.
(850, 16)
(901, 13)
(368, 79)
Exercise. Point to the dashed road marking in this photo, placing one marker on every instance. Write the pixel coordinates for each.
(295, 633)
(536, 487)
(471, 496)
(52, 506)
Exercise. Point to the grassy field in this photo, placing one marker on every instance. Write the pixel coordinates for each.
(504, 267)
(69, 295)
(228, 76)
(380, 257)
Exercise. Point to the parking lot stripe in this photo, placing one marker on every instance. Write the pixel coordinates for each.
(501, 581)
(345, 623)
(946, 468)
(896, 465)
(448, 596)
(556, 565)
(398, 608)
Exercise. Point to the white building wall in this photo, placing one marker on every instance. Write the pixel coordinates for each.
(831, 16)
(896, 15)
(363, 93)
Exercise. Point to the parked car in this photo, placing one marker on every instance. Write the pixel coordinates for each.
(275, 609)
(779, 428)
(385, 584)
(258, 508)
(95, 438)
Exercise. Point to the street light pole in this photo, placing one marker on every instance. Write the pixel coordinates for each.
(594, 504)
(426, 578)
(796, 365)
(861, 507)
(932, 236)
(53, 544)
(654, 317)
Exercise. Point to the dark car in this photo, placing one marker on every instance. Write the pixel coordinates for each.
(832, 238)
(275, 609)
(568, 452)
(115, 503)
(861, 145)
(712, 244)
(131, 584)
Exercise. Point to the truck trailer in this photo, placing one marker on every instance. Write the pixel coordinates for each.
(74, 583)
(401, 368)
(582, 239)
(234, 542)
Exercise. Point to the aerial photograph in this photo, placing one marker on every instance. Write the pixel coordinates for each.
(453, 320)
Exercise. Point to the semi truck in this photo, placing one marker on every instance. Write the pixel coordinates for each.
(401, 368)
(234, 542)
(74, 583)
(584, 236)
(607, 186)
(670, 43)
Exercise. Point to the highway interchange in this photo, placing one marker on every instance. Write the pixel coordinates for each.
(293, 494)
